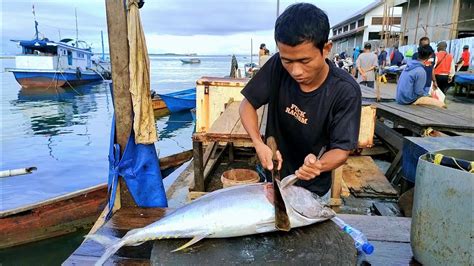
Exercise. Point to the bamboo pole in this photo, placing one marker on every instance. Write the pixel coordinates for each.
(417, 21)
(428, 18)
(119, 59)
(402, 39)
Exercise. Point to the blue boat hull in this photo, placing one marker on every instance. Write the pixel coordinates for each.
(30, 79)
(180, 101)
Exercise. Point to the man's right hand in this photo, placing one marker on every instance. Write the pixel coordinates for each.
(265, 156)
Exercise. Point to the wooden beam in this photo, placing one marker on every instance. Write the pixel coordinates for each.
(119, 58)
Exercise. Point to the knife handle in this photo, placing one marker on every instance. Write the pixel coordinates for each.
(271, 142)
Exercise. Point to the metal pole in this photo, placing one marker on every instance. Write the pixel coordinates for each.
(251, 50)
(77, 31)
(278, 8)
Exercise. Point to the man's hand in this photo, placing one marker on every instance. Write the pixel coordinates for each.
(450, 79)
(310, 169)
(265, 155)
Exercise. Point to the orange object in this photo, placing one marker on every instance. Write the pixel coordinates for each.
(443, 65)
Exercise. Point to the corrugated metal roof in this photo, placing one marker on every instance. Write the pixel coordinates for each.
(359, 13)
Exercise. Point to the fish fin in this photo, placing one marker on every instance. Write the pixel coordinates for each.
(105, 241)
(266, 227)
(191, 242)
(109, 252)
(132, 232)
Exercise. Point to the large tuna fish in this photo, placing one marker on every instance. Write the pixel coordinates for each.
(235, 211)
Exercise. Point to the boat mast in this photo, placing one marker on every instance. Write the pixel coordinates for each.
(102, 37)
(251, 51)
(36, 23)
(77, 31)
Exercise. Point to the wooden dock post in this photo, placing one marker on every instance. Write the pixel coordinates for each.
(119, 58)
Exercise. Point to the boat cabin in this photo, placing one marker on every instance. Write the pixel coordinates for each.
(49, 55)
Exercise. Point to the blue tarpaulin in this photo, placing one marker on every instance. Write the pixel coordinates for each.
(139, 166)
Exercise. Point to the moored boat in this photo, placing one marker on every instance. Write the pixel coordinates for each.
(44, 63)
(191, 61)
(180, 100)
(63, 214)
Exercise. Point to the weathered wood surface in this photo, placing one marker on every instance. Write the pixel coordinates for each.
(119, 59)
(417, 117)
(217, 81)
(322, 243)
(370, 95)
(364, 178)
(59, 217)
(389, 235)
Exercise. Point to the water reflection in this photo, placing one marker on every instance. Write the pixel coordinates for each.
(175, 122)
(54, 111)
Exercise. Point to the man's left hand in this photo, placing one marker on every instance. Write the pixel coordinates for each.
(310, 169)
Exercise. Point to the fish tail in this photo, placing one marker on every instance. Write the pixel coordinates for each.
(111, 244)
(109, 252)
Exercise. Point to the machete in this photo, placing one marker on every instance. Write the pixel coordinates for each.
(282, 222)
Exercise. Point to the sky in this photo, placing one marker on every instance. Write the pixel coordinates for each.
(212, 27)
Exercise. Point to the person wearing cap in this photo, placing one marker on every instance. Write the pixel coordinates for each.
(444, 67)
(464, 60)
(366, 65)
(411, 87)
(428, 64)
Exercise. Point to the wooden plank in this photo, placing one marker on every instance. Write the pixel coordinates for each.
(391, 253)
(388, 135)
(380, 228)
(226, 121)
(370, 94)
(387, 209)
(119, 59)
(426, 116)
(394, 167)
(198, 166)
(263, 124)
(367, 127)
(365, 179)
(239, 131)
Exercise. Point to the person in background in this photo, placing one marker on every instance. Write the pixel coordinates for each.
(264, 55)
(444, 67)
(366, 64)
(411, 87)
(343, 55)
(355, 55)
(428, 64)
(464, 60)
(382, 58)
(396, 58)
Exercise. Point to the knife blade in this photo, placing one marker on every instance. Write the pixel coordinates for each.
(282, 222)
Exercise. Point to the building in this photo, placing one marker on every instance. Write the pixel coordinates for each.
(437, 19)
(367, 25)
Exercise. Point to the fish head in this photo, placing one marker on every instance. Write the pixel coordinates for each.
(304, 207)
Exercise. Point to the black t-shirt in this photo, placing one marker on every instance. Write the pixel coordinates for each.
(304, 122)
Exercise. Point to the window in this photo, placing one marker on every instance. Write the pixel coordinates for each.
(374, 36)
(392, 20)
(346, 28)
(360, 23)
(80, 55)
(352, 26)
(339, 31)
(334, 32)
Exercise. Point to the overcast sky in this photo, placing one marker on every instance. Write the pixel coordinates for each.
(174, 26)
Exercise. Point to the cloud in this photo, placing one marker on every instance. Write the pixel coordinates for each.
(174, 24)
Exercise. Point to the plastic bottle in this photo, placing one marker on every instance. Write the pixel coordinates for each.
(361, 242)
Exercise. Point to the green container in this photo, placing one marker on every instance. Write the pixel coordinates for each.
(443, 208)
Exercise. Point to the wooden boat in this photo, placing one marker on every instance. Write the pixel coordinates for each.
(180, 100)
(44, 63)
(191, 61)
(158, 103)
(63, 214)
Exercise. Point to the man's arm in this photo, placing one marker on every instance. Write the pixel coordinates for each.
(249, 119)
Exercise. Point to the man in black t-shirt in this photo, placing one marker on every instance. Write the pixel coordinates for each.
(311, 103)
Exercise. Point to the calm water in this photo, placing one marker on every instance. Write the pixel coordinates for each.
(65, 133)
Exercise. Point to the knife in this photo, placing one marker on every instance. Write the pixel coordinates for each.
(282, 222)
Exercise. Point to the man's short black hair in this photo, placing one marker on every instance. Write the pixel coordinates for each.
(423, 39)
(424, 51)
(300, 23)
(367, 45)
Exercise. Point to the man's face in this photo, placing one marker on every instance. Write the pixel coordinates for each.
(303, 62)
